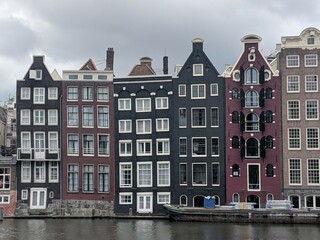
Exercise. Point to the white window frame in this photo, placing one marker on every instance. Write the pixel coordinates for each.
(198, 95)
(214, 91)
(125, 143)
(293, 80)
(27, 170)
(25, 117)
(87, 116)
(144, 142)
(165, 149)
(211, 117)
(123, 196)
(308, 58)
(205, 117)
(25, 142)
(106, 150)
(39, 117)
(103, 178)
(206, 174)
(186, 165)
(88, 151)
(104, 121)
(150, 178)
(24, 194)
(53, 117)
(145, 124)
(294, 139)
(121, 169)
(195, 69)
(192, 147)
(162, 103)
(160, 194)
(39, 95)
(311, 80)
(145, 105)
(312, 138)
(102, 94)
(182, 90)
(316, 172)
(289, 59)
(35, 74)
(25, 93)
(219, 173)
(312, 109)
(75, 116)
(159, 164)
(293, 119)
(87, 93)
(296, 169)
(215, 155)
(75, 150)
(53, 93)
(4, 199)
(248, 176)
(37, 205)
(162, 124)
(125, 126)
(124, 104)
(186, 146)
(51, 169)
(186, 118)
(42, 172)
(53, 143)
(74, 95)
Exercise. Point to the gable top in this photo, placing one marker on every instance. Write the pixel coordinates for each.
(301, 41)
(144, 68)
(251, 38)
(89, 65)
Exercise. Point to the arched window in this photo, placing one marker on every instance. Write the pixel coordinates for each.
(269, 116)
(268, 93)
(183, 200)
(235, 117)
(217, 200)
(269, 197)
(235, 143)
(252, 148)
(235, 197)
(269, 170)
(252, 122)
(269, 142)
(251, 76)
(235, 93)
(252, 99)
(235, 170)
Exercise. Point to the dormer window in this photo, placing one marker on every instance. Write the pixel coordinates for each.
(310, 40)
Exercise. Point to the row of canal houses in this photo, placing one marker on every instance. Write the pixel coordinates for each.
(92, 144)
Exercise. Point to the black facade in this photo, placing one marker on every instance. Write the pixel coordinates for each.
(143, 144)
(199, 131)
(38, 138)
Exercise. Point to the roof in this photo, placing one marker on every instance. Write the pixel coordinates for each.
(89, 65)
(144, 68)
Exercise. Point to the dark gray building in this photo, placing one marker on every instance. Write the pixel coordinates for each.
(199, 131)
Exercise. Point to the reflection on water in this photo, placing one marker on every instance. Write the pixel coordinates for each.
(123, 229)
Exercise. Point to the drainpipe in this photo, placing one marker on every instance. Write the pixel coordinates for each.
(60, 136)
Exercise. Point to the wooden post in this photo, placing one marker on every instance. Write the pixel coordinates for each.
(1, 213)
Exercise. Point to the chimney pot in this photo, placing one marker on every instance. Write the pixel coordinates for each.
(110, 59)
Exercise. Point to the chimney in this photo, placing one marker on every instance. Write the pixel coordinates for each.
(145, 61)
(110, 57)
(165, 65)
(197, 44)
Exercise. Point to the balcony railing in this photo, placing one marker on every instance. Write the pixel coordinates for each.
(38, 154)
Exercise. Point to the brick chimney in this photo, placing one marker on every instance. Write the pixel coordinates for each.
(165, 65)
(110, 58)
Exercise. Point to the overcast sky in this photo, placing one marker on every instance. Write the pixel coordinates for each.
(69, 32)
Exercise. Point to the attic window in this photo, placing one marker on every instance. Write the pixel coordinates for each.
(310, 40)
(87, 77)
(102, 77)
(73, 76)
(197, 69)
(35, 74)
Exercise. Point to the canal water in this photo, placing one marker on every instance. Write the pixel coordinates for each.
(123, 229)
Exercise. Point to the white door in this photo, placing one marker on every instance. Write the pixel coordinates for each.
(144, 203)
(38, 198)
(39, 145)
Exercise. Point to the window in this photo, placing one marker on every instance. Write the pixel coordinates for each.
(235, 142)
(269, 142)
(162, 103)
(313, 172)
(252, 148)
(163, 174)
(182, 90)
(125, 148)
(104, 145)
(125, 198)
(312, 201)
(163, 146)
(143, 105)
(183, 174)
(214, 89)
(87, 77)
(73, 144)
(125, 126)
(199, 174)
(87, 116)
(25, 171)
(214, 146)
(39, 171)
(38, 95)
(294, 171)
(53, 172)
(144, 147)
(25, 93)
(198, 91)
(311, 83)
(38, 198)
(293, 84)
(235, 118)
(87, 93)
(53, 142)
(294, 138)
(38, 117)
(73, 93)
(103, 93)
(52, 117)
(235, 93)
(163, 198)
(125, 175)
(269, 93)
(235, 170)
(88, 148)
(251, 76)
(269, 116)
(103, 178)
(73, 178)
(35, 74)
(182, 117)
(269, 170)
(144, 202)
(235, 197)
(87, 181)
(311, 60)
(39, 145)
(197, 69)
(310, 40)
(143, 126)
(214, 117)
(293, 109)
(312, 138)
(292, 61)
(162, 124)
(182, 147)
(198, 117)
(199, 147)
(103, 116)
(183, 200)
(215, 174)
(144, 171)
(52, 93)
(25, 116)
(102, 77)
(25, 142)
(73, 76)
(24, 194)
(269, 197)
(312, 110)
(252, 98)
(124, 104)
(252, 122)
(73, 118)
(253, 177)
(5, 178)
